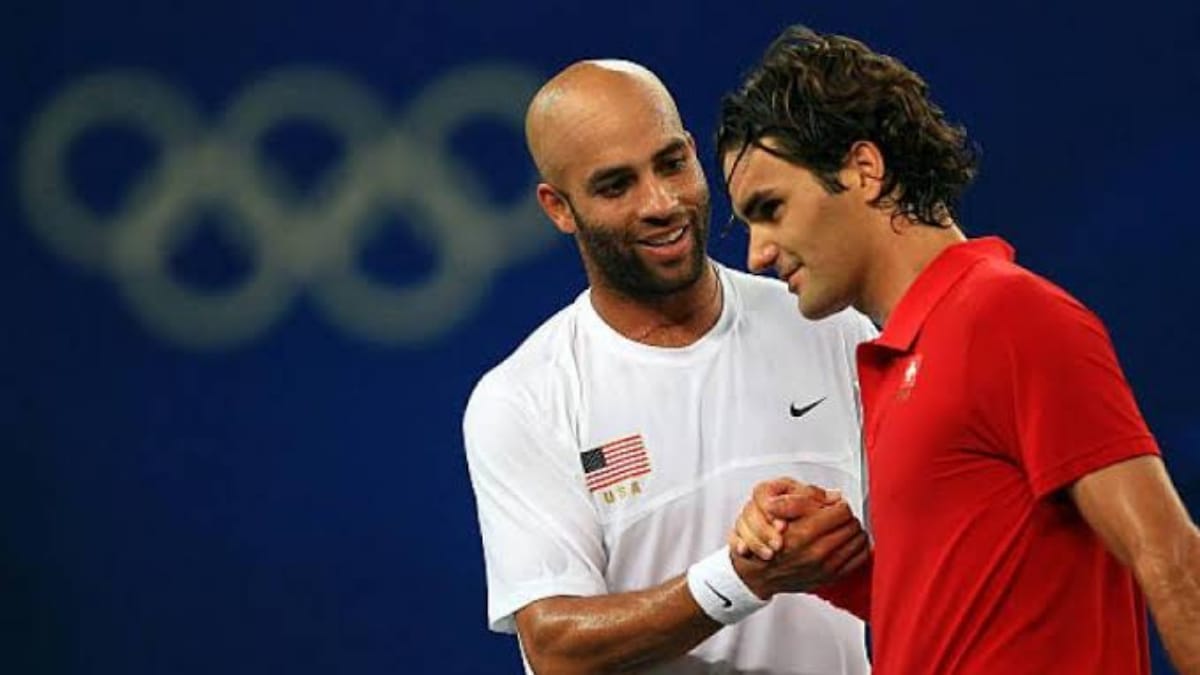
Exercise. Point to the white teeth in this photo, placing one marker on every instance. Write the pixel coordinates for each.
(666, 239)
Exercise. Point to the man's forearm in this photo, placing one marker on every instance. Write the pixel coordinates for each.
(619, 632)
(1171, 582)
(632, 631)
(851, 592)
(1139, 516)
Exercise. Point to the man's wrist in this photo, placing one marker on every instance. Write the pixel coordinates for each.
(720, 590)
(755, 574)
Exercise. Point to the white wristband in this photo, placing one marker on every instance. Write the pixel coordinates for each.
(719, 590)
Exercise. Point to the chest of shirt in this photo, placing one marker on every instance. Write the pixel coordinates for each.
(931, 455)
(650, 432)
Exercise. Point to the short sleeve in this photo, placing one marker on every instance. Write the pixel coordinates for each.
(541, 536)
(1053, 392)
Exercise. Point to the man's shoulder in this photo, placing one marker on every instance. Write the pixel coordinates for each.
(534, 360)
(1003, 286)
(1006, 302)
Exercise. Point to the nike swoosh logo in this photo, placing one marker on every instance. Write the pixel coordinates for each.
(727, 601)
(801, 412)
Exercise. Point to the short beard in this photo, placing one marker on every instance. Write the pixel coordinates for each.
(613, 256)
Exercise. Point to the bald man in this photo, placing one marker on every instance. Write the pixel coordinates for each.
(611, 452)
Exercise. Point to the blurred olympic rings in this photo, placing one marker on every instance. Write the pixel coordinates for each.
(297, 242)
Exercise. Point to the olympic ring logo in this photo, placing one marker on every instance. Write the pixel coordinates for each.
(388, 166)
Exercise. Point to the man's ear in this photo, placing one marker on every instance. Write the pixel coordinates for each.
(864, 169)
(556, 208)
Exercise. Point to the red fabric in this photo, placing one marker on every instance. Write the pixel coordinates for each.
(988, 393)
(852, 592)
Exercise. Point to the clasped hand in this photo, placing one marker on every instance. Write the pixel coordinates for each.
(792, 537)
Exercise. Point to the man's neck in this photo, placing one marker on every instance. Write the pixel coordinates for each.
(674, 320)
(901, 261)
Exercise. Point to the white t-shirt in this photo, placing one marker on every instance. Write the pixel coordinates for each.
(672, 440)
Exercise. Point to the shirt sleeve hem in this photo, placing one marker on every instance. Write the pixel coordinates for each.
(501, 610)
(1058, 477)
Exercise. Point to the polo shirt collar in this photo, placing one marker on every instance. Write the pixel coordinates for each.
(932, 284)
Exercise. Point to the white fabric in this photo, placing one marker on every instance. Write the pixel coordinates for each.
(719, 591)
(714, 417)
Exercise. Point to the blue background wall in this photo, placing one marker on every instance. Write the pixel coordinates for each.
(190, 484)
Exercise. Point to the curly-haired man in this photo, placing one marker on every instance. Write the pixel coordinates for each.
(1022, 517)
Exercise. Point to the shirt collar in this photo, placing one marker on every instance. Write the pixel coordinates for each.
(932, 284)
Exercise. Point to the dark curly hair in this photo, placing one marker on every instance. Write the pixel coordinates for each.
(815, 95)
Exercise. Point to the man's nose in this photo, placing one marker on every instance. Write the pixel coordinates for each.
(661, 201)
(761, 253)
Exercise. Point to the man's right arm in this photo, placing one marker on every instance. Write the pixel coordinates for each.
(545, 557)
(615, 632)
(623, 632)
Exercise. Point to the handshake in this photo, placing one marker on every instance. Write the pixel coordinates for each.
(791, 537)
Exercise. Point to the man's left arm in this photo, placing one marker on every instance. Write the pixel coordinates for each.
(1052, 390)
(1137, 513)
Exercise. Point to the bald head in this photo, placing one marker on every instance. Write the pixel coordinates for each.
(575, 105)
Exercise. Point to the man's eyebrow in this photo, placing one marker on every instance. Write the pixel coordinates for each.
(607, 174)
(749, 208)
(671, 148)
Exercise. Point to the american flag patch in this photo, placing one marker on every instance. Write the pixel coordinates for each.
(614, 462)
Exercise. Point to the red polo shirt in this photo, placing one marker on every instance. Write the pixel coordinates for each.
(989, 391)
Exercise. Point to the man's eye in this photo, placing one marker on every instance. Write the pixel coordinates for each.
(613, 190)
(769, 209)
(675, 165)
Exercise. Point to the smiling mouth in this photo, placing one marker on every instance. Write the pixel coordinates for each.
(665, 239)
(792, 280)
